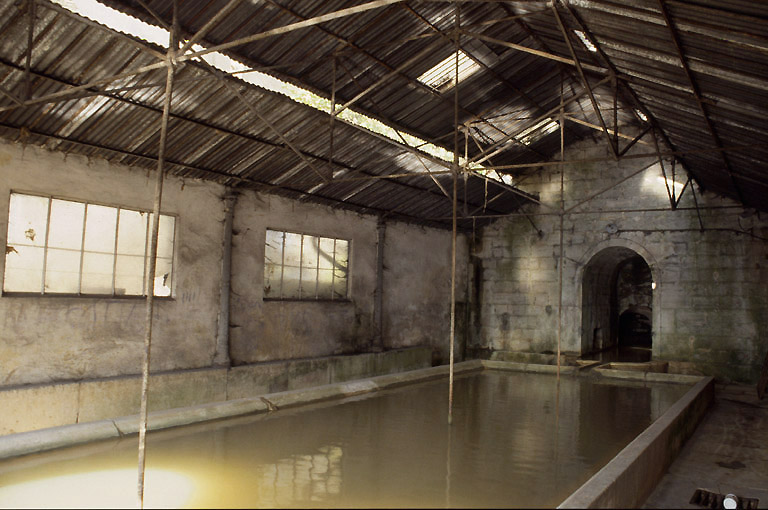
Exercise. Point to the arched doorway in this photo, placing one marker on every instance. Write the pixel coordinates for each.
(617, 300)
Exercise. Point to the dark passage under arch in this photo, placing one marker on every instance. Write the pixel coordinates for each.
(617, 306)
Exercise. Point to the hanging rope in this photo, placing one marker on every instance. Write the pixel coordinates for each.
(562, 218)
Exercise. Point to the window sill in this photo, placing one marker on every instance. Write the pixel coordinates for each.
(301, 300)
(83, 296)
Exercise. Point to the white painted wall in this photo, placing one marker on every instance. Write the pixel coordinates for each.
(709, 306)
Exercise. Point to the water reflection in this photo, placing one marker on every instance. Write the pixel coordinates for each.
(302, 478)
(517, 440)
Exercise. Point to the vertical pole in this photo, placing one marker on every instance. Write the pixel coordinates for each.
(30, 41)
(562, 216)
(448, 471)
(332, 116)
(464, 170)
(455, 172)
(221, 357)
(670, 193)
(150, 276)
(696, 203)
(469, 274)
(614, 83)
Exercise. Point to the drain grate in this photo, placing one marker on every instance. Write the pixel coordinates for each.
(707, 498)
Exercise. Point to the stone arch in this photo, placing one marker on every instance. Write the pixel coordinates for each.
(601, 306)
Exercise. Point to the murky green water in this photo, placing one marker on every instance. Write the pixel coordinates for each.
(517, 440)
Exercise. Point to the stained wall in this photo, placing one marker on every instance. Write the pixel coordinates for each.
(711, 296)
(57, 339)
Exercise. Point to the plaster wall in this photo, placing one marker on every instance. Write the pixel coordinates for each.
(53, 338)
(417, 289)
(56, 339)
(416, 298)
(711, 295)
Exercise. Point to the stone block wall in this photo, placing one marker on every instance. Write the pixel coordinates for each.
(711, 286)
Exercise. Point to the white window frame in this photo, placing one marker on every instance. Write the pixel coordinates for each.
(114, 253)
(279, 295)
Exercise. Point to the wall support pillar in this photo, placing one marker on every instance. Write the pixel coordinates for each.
(378, 299)
(221, 357)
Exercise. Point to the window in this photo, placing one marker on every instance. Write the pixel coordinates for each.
(60, 246)
(300, 266)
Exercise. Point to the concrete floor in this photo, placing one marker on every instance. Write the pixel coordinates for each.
(728, 453)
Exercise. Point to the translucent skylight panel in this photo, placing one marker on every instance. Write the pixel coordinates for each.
(537, 131)
(443, 75)
(581, 35)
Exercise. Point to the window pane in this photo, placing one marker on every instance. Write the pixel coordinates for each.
(325, 284)
(132, 233)
(342, 254)
(273, 259)
(62, 271)
(272, 274)
(326, 253)
(97, 272)
(273, 250)
(27, 221)
(163, 276)
(66, 225)
(309, 282)
(309, 253)
(292, 249)
(340, 286)
(100, 225)
(129, 275)
(24, 269)
(341, 270)
(165, 234)
(290, 282)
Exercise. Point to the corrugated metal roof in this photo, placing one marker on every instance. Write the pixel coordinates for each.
(714, 114)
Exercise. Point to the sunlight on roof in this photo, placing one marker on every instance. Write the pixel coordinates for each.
(496, 175)
(538, 130)
(116, 20)
(130, 25)
(443, 75)
(591, 47)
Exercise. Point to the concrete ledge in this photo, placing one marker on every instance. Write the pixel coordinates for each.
(524, 357)
(529, 367)
(56, 437)
(637, 375)
(29, 408)
(69, 435)
(628, 479)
